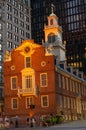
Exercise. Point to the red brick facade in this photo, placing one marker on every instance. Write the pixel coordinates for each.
(59, 92)
(40, 63)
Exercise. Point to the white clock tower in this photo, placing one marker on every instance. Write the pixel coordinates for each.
(53, 38)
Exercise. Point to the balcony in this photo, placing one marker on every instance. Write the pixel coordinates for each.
(26, 92)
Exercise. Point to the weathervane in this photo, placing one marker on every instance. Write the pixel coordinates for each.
(52, 8)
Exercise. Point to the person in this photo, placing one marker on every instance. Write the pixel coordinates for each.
(28, 121)
(31, 123)
(34, 122)
(6, 120)
(16, 123)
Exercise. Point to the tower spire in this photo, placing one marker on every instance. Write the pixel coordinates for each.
(52, 8)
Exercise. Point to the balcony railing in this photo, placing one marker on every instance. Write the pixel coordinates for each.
(26, 92)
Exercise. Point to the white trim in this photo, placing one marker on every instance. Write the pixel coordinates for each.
(41, 80)
(29, 101)
(12, 103)
(16, 82)
(42, 100)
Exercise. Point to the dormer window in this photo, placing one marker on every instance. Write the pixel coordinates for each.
(51, 38)
(51, 22)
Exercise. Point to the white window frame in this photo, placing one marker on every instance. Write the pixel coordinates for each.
(16, 104)
(45, 80)
(16, 83)
(28, 81)
(29, 101)
(46, 101)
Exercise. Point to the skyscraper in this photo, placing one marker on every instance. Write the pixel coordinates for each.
(72, 18)
(15, 25)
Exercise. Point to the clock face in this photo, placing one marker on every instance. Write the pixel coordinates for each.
(27, 49)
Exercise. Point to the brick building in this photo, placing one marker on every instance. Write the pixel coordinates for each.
(26, 70)
(37, 75)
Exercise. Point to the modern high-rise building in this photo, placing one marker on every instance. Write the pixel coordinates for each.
(15, 25)
(72, 18)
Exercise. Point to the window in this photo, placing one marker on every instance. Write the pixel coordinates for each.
(0, 36)
(64, 101)
(14, 103)
(27, 35)
(63, 82)
(0, 47)
(44, 101)
(9, 44)
(51, 38)
(15, 20)
(21, 32)
(9, 16)
(9, 26)
(0, 57)
(26, 19)
(60, 101)
(29, 101)
(21, 15)
(13, 82)
(27, 27)
(15, 29)
(0, 26)
(28, 64)
(21, 7)
(15, 12)
(28, 81)
(43, 80)
(51, 22)
(16, 38)
(9, 35)
(21, 23)
(0, 68)
(9, 8)
(26, 11)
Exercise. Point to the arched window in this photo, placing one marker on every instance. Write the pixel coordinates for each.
(51, 22)
(51, 37)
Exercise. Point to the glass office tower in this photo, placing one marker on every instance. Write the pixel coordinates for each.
(72, 18)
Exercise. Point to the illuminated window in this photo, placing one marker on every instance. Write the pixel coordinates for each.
(28, 64)
(13, 82)
(28, 81)
(44, 101)
(43, 80)
(14, 103)
(29, 101)
(80, 64)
